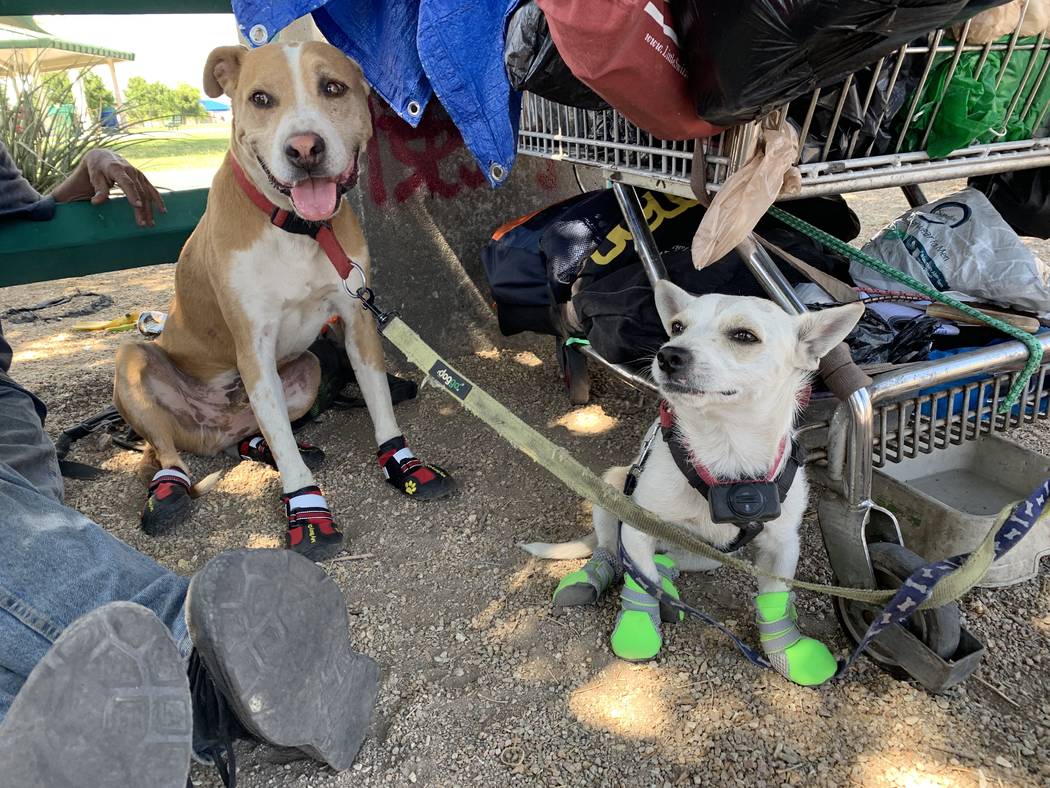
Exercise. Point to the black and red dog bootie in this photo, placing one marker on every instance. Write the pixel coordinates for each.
(257, 449)
(311, 529)
(407, 473)
(168, 502)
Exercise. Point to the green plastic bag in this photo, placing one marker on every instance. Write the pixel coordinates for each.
(974, 110)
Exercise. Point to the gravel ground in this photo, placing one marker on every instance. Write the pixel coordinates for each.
(481, 682)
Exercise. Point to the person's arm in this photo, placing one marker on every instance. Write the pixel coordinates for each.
(18, 199)
(98, 172)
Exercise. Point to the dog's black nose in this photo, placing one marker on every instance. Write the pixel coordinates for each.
(671, 358)
(305, 150)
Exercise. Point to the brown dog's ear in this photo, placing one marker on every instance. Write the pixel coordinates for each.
(221, 70)
(671, 300)
(359, 72)
(819, 332)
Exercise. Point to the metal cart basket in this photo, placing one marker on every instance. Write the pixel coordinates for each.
(925, 408)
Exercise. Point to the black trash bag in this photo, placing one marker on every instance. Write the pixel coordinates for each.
(745, 59)
(854, 135)
(533, 62)
(1022, 197)
(875, 341)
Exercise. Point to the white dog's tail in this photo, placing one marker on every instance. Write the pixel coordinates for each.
(205, 485)
(562, 551)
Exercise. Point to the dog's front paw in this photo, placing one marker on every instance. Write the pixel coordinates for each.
(800, 659)
(636, 637)
(311, 530)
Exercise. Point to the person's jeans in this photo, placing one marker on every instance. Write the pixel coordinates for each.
(55, 563)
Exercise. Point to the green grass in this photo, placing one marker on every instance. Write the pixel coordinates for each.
(195, 148)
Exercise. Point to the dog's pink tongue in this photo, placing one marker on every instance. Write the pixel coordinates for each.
(315, 198)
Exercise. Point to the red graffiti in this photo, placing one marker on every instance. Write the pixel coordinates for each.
(547, 178)
(422, 150)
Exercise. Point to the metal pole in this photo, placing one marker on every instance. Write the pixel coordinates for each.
(626, 375)
(769, 276)
(644, 243)
(914, 194)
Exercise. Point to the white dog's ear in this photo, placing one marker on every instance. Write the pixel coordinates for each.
(819, 332)
(671, 300)
(221, 70)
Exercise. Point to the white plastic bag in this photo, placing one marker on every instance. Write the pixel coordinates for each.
(961, 246)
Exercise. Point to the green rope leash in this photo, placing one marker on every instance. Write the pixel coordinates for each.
(1035, 350)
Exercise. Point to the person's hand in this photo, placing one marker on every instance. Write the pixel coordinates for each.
(98, 172)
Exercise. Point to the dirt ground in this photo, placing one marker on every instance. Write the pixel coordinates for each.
(481, 682)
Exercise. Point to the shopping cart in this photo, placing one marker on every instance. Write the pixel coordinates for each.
(925, 408)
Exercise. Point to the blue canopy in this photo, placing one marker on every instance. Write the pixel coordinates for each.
(211, 105)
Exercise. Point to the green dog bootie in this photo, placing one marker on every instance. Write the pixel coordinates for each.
(585, 586)
(798, 658)
(637, 637)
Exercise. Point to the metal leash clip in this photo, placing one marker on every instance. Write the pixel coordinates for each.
(367, 297)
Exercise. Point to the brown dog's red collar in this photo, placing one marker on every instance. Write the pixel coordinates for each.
(292, 223)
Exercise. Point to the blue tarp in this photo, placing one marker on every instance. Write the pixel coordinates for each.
(411, 50)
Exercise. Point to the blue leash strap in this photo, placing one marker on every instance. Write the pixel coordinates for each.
(698, 615)
(919, 586)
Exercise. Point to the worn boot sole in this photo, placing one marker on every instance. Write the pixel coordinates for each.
(271, 628)
(108, 706)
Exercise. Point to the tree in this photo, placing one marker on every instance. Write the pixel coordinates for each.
(148, 100)
(186, 101)
(153, 100)
(57, 88)
(96, 94)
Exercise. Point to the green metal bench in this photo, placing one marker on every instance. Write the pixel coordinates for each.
(87, 239)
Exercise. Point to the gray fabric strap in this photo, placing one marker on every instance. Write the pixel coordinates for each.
(781, 633)
(606, 565)
(782, 642)
(776, 627)
(637, 600)
(670, 572)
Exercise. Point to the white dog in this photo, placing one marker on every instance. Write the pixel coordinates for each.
(732, 377)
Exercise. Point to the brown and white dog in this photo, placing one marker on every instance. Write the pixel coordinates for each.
(251, 297)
